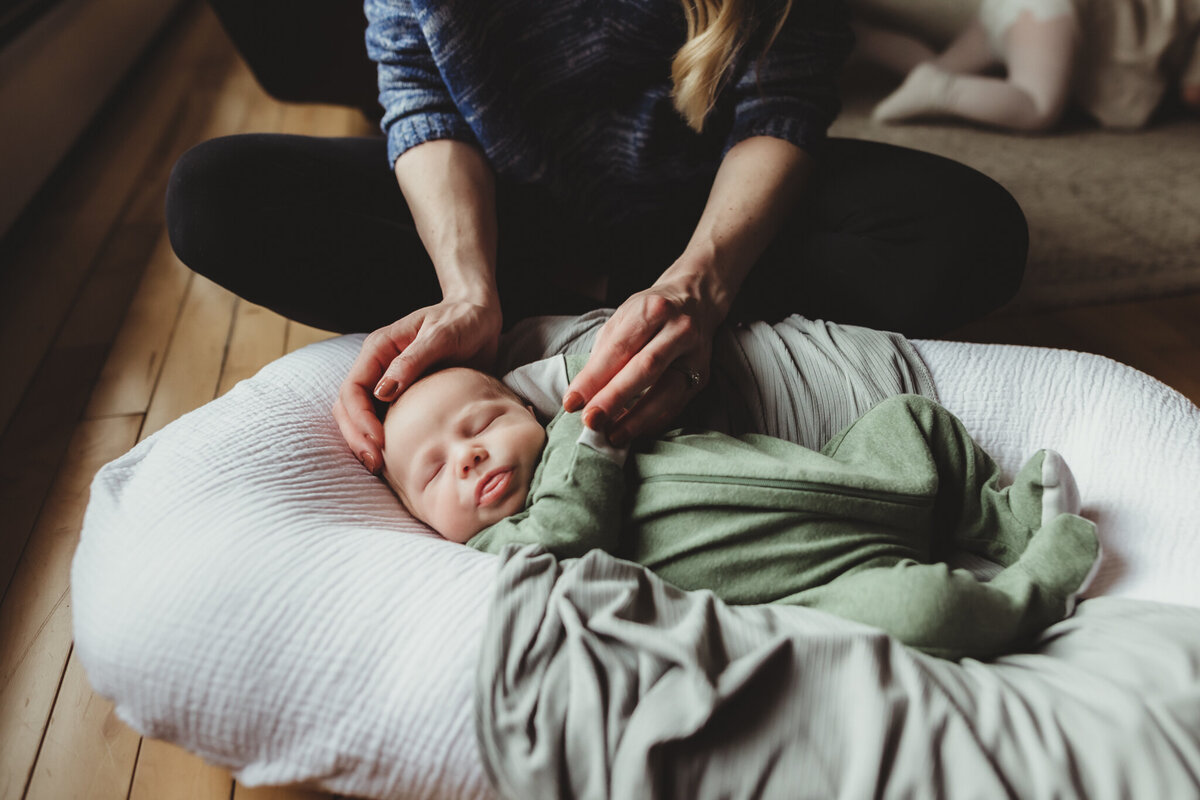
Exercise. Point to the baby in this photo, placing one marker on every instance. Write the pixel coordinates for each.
(857, 529)
(1115, 58)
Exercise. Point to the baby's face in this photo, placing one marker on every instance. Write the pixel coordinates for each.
(460, 452)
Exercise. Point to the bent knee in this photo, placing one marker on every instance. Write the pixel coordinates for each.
(220, 191)
(201, 194)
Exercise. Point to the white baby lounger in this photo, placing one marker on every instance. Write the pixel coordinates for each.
(245, 590)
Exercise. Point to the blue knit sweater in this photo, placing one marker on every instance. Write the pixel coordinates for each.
(575, 95)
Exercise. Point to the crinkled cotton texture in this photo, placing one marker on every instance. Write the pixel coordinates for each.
(245, 590)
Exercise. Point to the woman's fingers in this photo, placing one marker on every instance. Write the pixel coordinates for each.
(430, 346)
(360, 427)
(656, 385)
(354, 410)
(640, 373)
(451, 333)
(657, 408)
(635, 324)
(624, 391)
(393, 358)
(387, 346)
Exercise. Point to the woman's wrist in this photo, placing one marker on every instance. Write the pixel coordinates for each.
(698, 274)
(474, 285)
(484, 297)
(758, 185)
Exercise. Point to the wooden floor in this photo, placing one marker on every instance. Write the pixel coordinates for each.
(105, 337)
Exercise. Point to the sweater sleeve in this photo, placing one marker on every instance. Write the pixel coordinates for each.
(791, 92)
(417, 106)
(576, 502)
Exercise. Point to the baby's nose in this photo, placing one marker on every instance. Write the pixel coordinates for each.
(473, 457)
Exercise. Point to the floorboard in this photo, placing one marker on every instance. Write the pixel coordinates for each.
(48, 257)
(127, 380)
(35, 616)
(192, 365)
(87, 751)
(165, 772)
(277, 793)
(259, 336)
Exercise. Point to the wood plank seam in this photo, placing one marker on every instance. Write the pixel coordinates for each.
(46, 727)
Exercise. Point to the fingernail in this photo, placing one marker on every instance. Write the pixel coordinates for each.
(368, 461)
(595, 418)
(573, 401)
(385, 388)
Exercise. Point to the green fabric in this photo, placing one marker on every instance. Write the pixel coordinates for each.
(852, 530)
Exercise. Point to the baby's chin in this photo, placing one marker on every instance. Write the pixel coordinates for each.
(513, 504)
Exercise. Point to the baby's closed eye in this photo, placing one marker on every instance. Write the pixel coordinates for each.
(482, 423)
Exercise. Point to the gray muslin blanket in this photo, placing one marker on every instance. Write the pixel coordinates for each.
(598, 680)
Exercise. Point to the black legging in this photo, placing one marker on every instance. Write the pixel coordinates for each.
(318, 230)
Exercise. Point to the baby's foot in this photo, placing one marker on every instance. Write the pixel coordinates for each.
(924, 91)
(1063, 558)
(1044, 489)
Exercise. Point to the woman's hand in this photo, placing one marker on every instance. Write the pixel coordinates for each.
(392, 358)
(450, 191)
(654, 355)
(649, 359)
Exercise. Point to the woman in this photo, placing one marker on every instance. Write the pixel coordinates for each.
(553, 156)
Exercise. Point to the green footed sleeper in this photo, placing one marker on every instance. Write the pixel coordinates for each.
(858, 529)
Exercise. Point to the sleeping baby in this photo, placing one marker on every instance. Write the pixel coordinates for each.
(859, 529)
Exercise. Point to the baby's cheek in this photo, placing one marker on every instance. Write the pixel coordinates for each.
(517, 503)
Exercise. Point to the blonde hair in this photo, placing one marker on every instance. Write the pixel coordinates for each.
(717, 30)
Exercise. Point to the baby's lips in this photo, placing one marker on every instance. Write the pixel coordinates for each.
(492, 485)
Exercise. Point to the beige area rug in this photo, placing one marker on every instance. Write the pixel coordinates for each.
(1112, 216)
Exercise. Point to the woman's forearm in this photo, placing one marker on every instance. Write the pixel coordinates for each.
(451, 192)
(758, 186)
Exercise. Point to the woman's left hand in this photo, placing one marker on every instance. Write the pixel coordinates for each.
(655, 354)
(649, 360)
